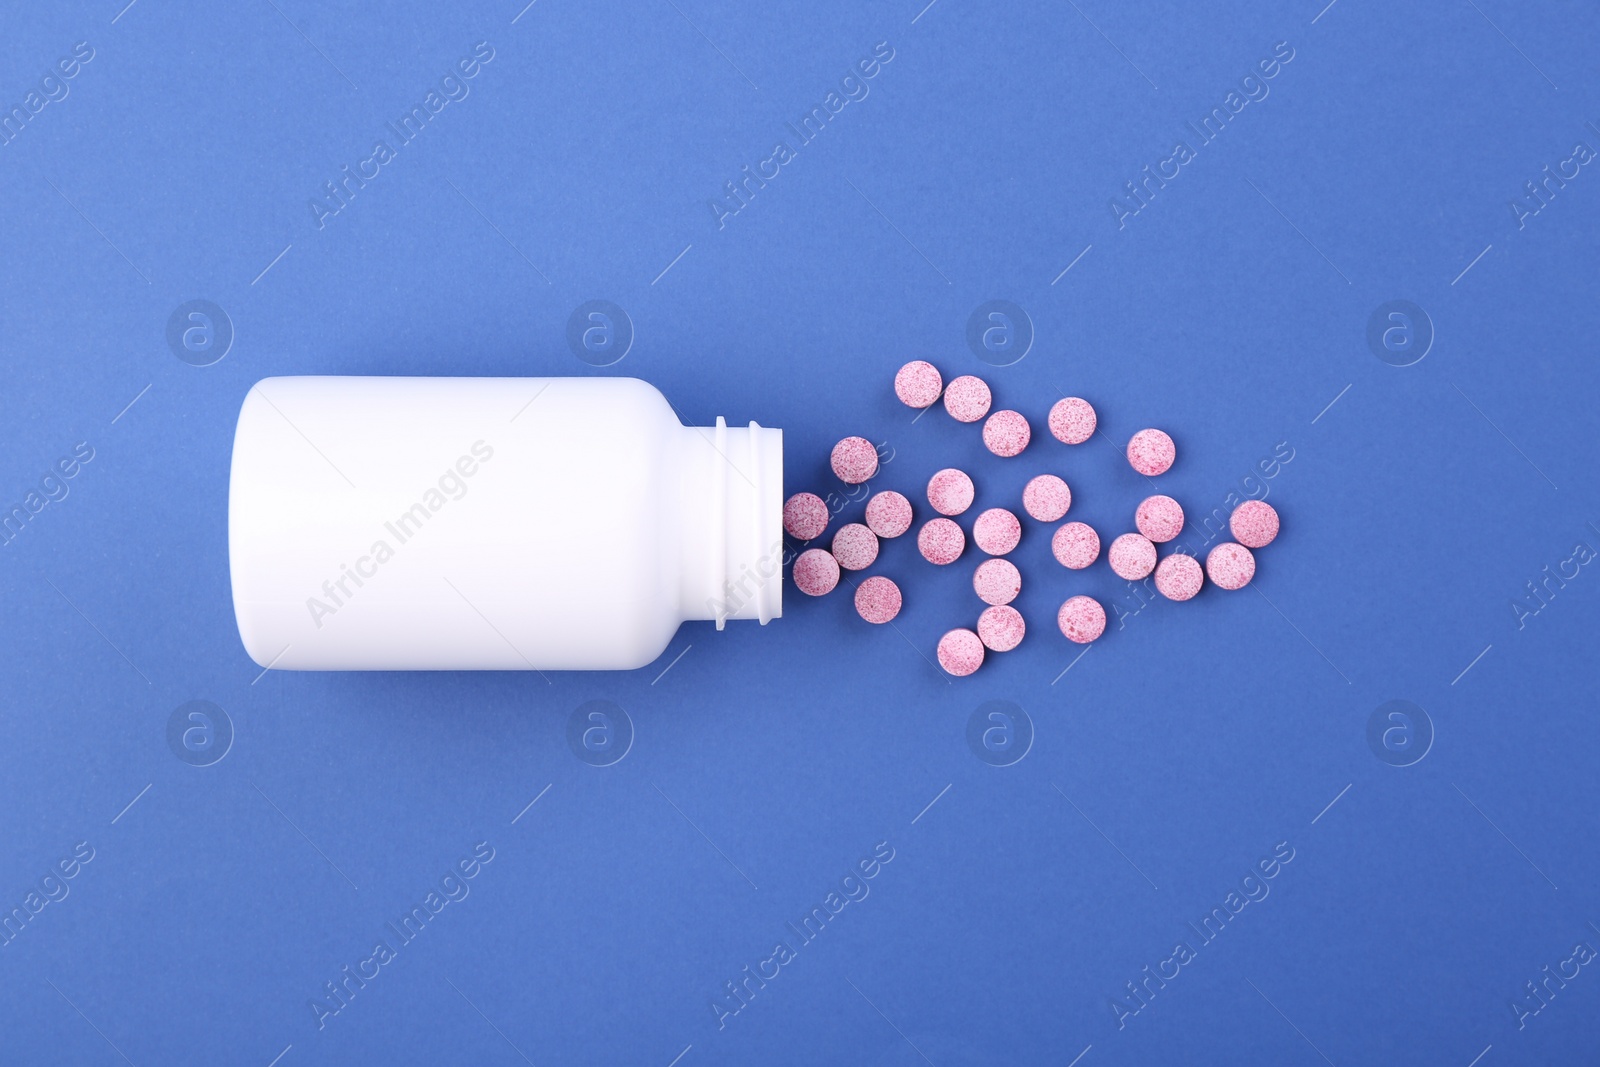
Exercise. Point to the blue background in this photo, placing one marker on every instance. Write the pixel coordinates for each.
(1231, 310)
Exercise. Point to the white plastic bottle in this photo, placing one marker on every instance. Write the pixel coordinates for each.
(492, 523)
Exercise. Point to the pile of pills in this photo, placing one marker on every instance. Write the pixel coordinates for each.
(941, 540)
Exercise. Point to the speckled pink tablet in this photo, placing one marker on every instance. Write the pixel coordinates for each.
(888, 514)
(918, 384)
(1132, 556)
(1254, 523)
(1159, 518)
(1082, 619)
(950, 491)
(967, 399)
(1230, 566)
(960, 652)
(997, 581)
(805, 516)
(996, 531)
(877, 599)
(854, 460)
(1001, 628)
(1075, 545)
(1046, 498)
(855, 547)
(1151, 452)
(1179, 577)
(1072, 421)
(941, 541)
(1006, 433)
(815, 572)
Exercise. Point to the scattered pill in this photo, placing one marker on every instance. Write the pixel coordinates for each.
(1151, 452)
(1006, 433)
(1072, 420)
(997, 581)
(1082, 619)
(1179, 577)
(877, 599)
(1132, 556)
(1254, 523)
(950, 491)
(815, 572)
(996, 531)
(1046, 498)
(1159, 518)
(1000, 628)
(1075, 545)
(888, 514)
(855, 547)
(960, 652)
(805, 516)
(1230, 566)
(967, 399)
(941, 541)
(854, 460)
(918, 384)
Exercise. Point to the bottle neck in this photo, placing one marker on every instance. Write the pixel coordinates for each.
(731, 545)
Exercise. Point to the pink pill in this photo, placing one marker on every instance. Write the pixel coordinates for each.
(816, 572)
(997, 581)
(1075, 545)
(918, 384)
(1046, 498)
(960, 652)
(967, 399)
(1082, 619)
(854, 460)
(1151, 452)
(1230, 566)
(888, 514)
(950, 491)
(805, 516)
(1179, 577)
(1254, 523)
(1072, 421)
(996, 531)
(1001, 628)
(877, 599)
(855, 547)
(1132, 556)
(1159, 518)
(1006, 433)
(941, 541)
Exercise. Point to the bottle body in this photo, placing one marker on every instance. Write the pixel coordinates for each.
(492, 523)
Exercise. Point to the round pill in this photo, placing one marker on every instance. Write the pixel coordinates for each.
(1230, 566)
(1179, 577)
(1006, 433)
(996, 531)
(855, 547)
(918, 384)
(1000, 628)
(1046, 498)
(805, 516)
(854, 460)
(888, 514)
(997, 581)
(1075, 545)
(1151, 452)
(1159, 518)
(967, 399)
(941, 541)
(1082, 619)
(950, 491)
(1132, 556)
(1254, 523)
(1072, 420)
(877, 599)
(960, 652)
(815, 572)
